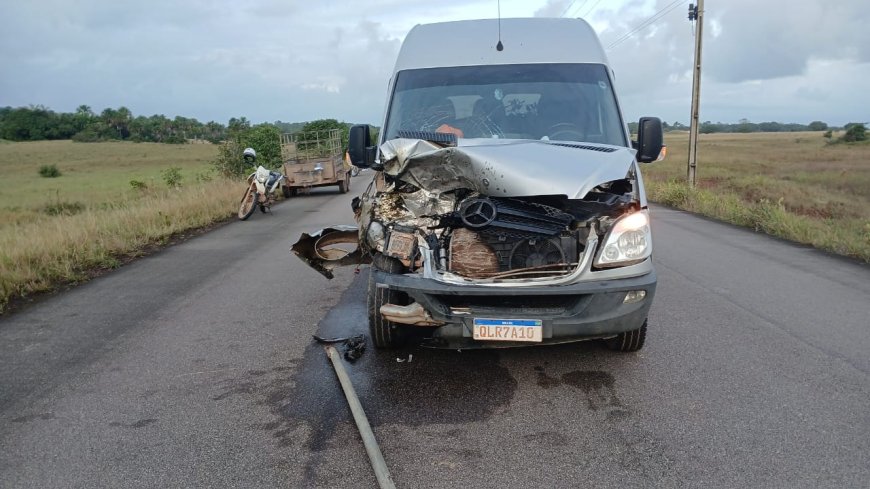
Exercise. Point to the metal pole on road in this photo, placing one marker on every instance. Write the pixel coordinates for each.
(362, 423)
(695, 13)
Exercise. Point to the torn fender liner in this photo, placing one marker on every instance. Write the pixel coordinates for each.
(330, 248)
(506, 168)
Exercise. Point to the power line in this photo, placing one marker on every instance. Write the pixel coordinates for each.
(651, 20)
(592, 8)
(568, 8)
(578, 9)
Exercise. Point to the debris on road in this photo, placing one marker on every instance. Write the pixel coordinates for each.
(354, 346)
(385, 481)
(403, 360)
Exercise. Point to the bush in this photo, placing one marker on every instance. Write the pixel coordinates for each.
(855, 133)
(172, 177)
(59, 208)
(89, 135)
(175, 139)
(49, 171)
(138, 185)
(264, 138)
(229, 162)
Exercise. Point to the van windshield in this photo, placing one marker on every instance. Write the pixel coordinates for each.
(565, 102)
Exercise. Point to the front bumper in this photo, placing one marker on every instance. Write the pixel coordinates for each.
(573, 312)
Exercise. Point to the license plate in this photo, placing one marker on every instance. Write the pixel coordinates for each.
(530, 330)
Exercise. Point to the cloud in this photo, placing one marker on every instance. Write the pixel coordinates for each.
(553, 8)
(761, 60)
(273, 59)
(751, 40)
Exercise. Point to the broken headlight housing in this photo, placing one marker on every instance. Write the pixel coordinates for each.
(628, 242)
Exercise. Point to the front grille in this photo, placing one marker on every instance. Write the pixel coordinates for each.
(513, 252)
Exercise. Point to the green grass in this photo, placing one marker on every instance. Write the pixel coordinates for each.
(91, 173)
(59, 230)
(790, 185)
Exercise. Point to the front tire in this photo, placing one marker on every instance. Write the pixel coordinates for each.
(385, 334)
(287, 191)
(344, 185)
(248, 204)
(629, 341)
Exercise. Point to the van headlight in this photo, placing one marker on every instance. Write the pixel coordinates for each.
(629, 241)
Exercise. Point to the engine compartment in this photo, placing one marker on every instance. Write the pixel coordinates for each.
(485, 237)
(486, 212)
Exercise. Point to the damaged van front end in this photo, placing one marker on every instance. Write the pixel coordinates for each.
(498, 243)
(507, 206)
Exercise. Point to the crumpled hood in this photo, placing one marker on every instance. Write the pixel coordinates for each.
(507, 168)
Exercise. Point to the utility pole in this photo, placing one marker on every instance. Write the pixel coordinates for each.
(696, 12)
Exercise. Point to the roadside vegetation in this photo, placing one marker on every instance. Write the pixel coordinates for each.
(69, 209)
(83, 191)
(802, 187)
(105, 202)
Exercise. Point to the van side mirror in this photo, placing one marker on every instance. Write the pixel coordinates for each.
(650, 139)
(359, 147)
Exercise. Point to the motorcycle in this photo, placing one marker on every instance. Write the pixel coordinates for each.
(260, 193)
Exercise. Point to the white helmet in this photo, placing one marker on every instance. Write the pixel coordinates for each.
(249, 152)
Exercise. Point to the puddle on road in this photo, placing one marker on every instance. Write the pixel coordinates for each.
(597, 386)
(441, 387)
(438, 386)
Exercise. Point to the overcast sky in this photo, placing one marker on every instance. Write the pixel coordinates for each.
(291, 60)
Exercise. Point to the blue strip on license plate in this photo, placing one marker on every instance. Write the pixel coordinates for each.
(507, 322)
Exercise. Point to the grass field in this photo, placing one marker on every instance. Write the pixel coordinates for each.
(59, 230)
(92, 174)
(791, 185)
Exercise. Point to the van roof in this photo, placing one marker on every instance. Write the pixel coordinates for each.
(473, 42)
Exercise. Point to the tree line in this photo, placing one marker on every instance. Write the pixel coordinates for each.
(745, 126)
(37, 123)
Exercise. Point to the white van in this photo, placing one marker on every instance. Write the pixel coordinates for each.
(507, 207)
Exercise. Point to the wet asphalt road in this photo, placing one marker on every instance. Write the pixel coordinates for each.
(194, 368)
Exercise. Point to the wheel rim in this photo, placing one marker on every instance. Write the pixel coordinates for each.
(247, 203)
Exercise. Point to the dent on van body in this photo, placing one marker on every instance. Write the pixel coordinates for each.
(533, 199)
